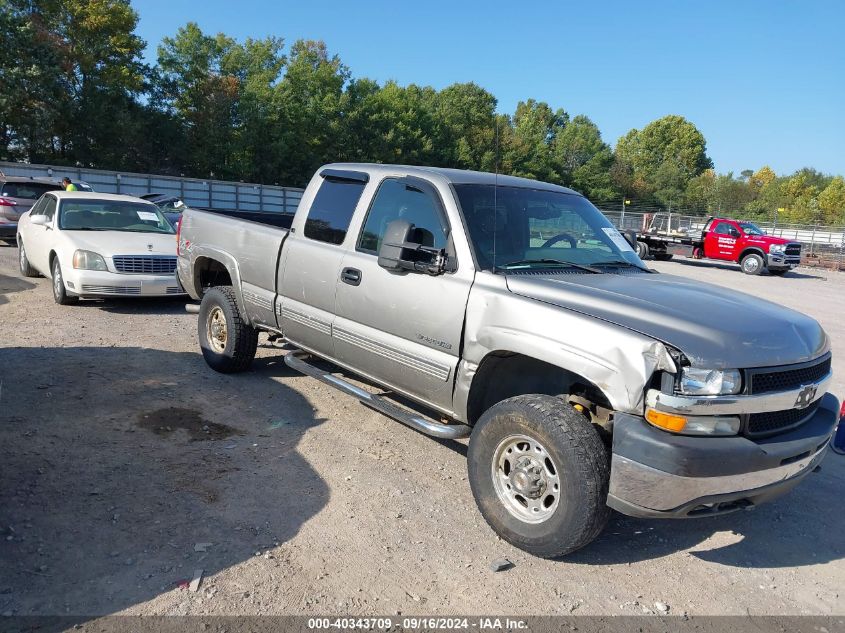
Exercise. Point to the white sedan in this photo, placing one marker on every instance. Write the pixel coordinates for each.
(98, 245)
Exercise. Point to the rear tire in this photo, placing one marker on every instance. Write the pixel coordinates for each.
(752, 264)
(227, 341)
(642, 250)
(26, 269)
(60, 293)
(539, 473)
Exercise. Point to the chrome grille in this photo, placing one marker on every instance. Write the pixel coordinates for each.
(788, 377)
(112, 290)
(145, 264)
(760, 424)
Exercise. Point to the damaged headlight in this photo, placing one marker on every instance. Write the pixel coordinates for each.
(710, 382)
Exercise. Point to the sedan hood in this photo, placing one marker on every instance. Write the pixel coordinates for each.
(109, 243)
(714, 327)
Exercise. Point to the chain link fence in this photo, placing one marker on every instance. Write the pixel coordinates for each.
(194, 192)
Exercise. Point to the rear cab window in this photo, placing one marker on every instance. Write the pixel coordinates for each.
(331, 212)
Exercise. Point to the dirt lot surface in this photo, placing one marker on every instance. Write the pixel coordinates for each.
(126, 464)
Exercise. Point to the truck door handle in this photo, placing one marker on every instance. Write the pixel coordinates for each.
(351, 276)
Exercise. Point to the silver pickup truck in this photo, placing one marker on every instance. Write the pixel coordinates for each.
(513, 313)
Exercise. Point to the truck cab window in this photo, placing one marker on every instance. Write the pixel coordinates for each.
(723, 228)
(332, 209)
(397, 200)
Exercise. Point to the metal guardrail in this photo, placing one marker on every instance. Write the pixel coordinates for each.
(198, 192)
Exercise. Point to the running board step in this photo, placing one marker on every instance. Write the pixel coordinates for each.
(295, 360)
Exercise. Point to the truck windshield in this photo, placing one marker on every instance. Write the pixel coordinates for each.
(512, 228)
(112, 215)
(751, 229)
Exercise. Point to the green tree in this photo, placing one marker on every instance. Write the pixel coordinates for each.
(671, 141)
(832, 201)
(583, 159)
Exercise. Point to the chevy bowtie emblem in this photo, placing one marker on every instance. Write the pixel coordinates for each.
(805, 396)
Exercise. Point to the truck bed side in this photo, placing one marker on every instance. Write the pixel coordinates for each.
(222, 248)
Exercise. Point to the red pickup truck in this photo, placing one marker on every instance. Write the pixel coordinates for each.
(721, 239)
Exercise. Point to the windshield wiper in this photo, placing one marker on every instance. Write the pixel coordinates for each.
(556, 262)
(87, 228)
(615, 262)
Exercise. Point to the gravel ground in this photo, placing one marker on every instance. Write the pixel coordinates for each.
(126, 464)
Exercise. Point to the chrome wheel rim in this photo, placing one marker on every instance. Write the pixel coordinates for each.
(217, 330)
(57, 281)
(751, 264)
(526, 479)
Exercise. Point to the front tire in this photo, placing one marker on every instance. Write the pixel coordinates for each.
(752, 264)
(539, 473)
(60, 293)
(227, 341)
(26, 269)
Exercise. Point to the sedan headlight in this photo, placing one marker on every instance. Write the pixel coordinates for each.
(710, 382)
(777, 248)
(88, 260)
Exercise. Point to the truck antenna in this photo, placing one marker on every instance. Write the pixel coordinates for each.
(495, 193)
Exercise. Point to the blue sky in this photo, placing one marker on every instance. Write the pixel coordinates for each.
(764, 81)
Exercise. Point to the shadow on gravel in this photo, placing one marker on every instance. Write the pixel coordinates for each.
(140, 305)
(796, 530)
(124, 470)
(8, 285)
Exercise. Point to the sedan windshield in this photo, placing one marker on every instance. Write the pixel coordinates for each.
(751, 229)
(514, 228)
(112, 215)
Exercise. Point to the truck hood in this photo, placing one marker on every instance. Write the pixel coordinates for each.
(714, 327)
(109, 243)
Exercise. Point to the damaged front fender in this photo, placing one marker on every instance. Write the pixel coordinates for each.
(616, 360)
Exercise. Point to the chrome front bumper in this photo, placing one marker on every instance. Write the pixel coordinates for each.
(655, 473)
(781, 260)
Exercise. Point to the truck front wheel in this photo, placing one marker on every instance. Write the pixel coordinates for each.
(539, 473)
(752, 264)
(228, 342)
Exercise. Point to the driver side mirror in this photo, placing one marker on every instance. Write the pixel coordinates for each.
(401, 249)
(40, 220)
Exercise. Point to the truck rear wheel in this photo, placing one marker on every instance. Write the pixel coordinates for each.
(539, 473)
(227, 341)
(752, 264)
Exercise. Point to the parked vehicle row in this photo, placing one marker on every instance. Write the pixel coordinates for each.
(513, 313)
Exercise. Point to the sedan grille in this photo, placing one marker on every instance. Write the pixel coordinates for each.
(788, 377)
(145, 264)
(771, 422)
(112, 290)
